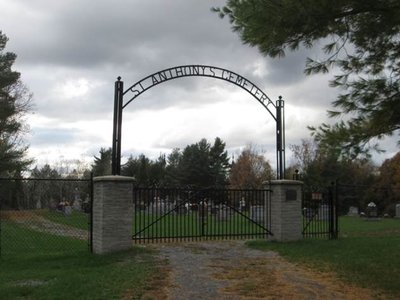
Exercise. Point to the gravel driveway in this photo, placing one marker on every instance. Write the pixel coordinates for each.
(231, 270)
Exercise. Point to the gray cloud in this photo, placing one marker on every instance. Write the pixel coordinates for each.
(71, 52)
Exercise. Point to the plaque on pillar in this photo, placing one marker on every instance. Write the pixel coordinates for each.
(291, 195)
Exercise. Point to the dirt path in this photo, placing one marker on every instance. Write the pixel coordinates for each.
(41, 224)
(230, 270)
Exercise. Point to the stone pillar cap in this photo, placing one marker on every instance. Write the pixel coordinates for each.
(113, 178)
(283, 182)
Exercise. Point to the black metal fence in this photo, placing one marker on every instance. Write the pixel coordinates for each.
(320, 213)
(165, 214)
(45, 215)
(322, 206)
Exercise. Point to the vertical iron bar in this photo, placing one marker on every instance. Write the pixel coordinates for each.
(120, 100)
(182, 227)
(280, 138)
(336, 195)
(332, 221)
(114, 160)
(153, 212)
(0, 228)
(269, 209)
(91, 213)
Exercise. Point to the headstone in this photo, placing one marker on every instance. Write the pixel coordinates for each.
(323, 212)
(39, 204)
(223, 213)
(398, 210)
(353, 211)
(308, 212)
(203, 209)
(372, 210)
(257, 213)
(242, 205)
(67, 210)
(77, 205)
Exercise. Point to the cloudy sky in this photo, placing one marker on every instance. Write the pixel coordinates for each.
(71, 52)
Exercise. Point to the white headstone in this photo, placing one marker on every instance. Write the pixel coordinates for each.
(67, 210)
(323, 212)
(353, 211)
(77, 204)
(224, 213)
(257, 213)
(39, 204)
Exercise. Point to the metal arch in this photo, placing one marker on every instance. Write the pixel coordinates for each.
(198, 71)
(189, 71)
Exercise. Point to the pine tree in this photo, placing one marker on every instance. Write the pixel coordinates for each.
(102, 164)
(219, 163)
(15, 102)
(359, 38)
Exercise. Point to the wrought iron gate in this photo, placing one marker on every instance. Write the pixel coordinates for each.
(320, 216)
(162, 214)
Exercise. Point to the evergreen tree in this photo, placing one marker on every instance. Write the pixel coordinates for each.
(172, 168)
(15, 102)
(219, 163)
(194, 168)
(359, 38)
(202, 165)
(102, 164)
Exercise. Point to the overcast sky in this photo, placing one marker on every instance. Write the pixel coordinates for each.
(71, 52)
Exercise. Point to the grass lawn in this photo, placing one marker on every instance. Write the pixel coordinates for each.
(77, 219)
(192, 225)
(367, 253)
(36, 266)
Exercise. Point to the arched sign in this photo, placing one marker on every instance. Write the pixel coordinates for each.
(152, 80)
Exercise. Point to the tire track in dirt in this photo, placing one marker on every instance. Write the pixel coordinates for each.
(41, 224)
(231, 270)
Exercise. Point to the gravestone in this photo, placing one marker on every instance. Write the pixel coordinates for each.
(353, 211)
(159, 208)
(257, 213)
(323, 212)
(372, 210)
(223, 213)
(67, 210)
(308, 212)
(77, 205)
(398, 210)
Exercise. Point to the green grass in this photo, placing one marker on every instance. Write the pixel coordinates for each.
(77, 219)
(354, 226)
(367, 253)
(192, 225)
(37, 266)
(18, 240)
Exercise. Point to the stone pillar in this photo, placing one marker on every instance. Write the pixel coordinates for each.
(286, 214)
(112, 214)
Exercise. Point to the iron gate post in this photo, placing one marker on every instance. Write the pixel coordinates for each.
(280, 138)
(117, 125)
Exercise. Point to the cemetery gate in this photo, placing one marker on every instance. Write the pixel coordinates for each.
(167, 214)
(135, 90)
(320, 212)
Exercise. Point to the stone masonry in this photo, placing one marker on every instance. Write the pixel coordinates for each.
(112, 214)
(286, 217)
